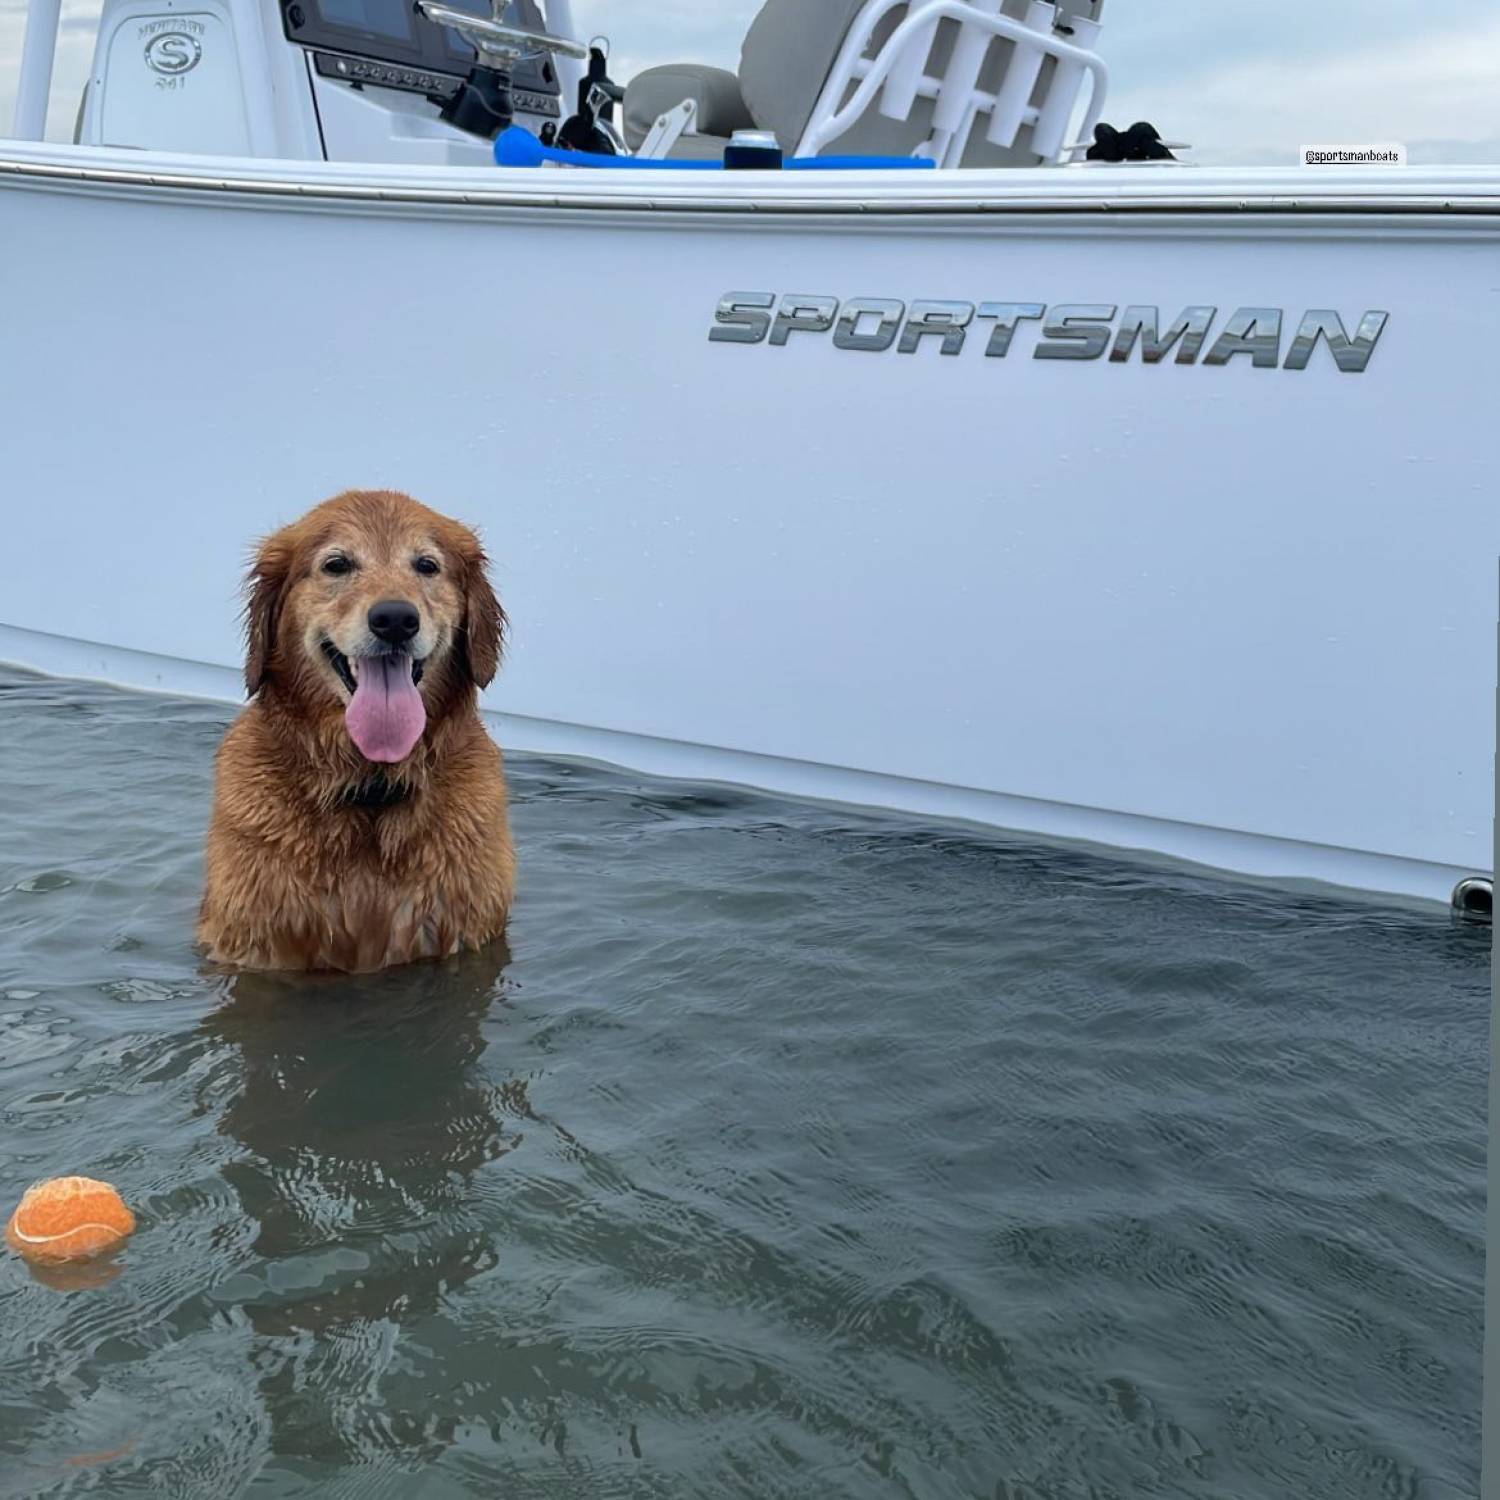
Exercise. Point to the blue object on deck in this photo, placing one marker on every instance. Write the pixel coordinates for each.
(517, 147)
(853, 163)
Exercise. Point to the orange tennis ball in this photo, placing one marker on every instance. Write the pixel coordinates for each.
(68, 1218)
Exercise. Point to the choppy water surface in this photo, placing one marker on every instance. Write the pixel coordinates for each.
(787, 1153)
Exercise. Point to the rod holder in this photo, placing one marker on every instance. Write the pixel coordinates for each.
(1062, 93)
(1014, 97)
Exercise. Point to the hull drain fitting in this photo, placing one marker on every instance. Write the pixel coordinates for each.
(1474, 897)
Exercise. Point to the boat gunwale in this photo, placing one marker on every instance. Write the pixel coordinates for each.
(905, 201)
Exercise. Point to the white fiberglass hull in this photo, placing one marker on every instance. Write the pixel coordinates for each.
(1237, 614)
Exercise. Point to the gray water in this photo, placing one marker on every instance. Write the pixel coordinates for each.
(785, 1153)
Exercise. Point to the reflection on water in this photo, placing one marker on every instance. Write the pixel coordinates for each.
(783, 1153)
(359, 1124)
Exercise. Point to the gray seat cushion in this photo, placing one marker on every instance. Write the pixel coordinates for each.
(721, 109)
(785, 58)
(698, 148)
(792, 46)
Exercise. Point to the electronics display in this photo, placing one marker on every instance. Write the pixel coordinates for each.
(389, 43)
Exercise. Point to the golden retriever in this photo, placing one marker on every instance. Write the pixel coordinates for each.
(360, 812)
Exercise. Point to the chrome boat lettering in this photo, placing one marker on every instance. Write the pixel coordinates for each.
(741, 317)
(889, 312)
(1255, 331)
(1006, 316)
(949, 320)
(1076, 331)
(1069, 331)
(1348, 354)
(1140, 323)
(803, 315)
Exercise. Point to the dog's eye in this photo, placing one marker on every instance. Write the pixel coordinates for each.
(427, 566)
(337, 566)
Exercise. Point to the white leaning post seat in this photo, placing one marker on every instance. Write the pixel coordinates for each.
(974, 83)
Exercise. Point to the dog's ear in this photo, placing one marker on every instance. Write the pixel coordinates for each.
(265, 588)
(484, 620)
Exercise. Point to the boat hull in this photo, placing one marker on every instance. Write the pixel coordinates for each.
(1242, 614)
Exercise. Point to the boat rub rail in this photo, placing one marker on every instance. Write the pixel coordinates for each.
(1394, 202)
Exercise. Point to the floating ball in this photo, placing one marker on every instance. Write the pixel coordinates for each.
(68, 1218)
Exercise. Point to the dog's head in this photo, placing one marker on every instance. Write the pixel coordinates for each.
(377, 607)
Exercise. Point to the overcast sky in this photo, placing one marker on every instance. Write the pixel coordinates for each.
(1245, 81)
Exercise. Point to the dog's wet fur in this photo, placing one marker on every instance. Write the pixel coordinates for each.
(319, 858)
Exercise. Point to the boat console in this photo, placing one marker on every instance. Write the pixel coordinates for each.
(336, 80)
(954, 82)
(393, 44)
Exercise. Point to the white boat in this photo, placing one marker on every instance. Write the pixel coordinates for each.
(1141, 504)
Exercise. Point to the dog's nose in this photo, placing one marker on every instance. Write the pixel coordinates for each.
(394, 621)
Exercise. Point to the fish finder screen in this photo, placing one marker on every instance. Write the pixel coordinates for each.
(394, 31)
(388, 18)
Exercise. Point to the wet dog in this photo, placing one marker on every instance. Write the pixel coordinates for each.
(360, 813)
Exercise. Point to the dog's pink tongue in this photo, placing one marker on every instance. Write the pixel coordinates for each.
(385, 717)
